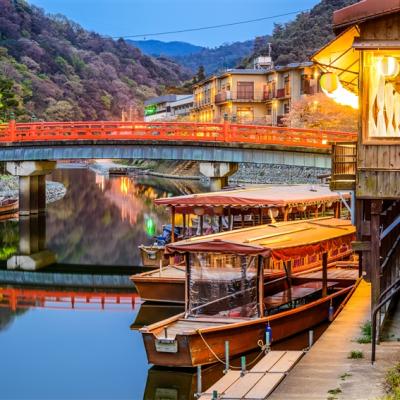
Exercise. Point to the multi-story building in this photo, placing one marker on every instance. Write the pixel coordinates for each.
(168, 107)
(253, 95)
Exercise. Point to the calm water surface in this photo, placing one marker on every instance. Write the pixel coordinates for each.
(76, 342)
(50, 350)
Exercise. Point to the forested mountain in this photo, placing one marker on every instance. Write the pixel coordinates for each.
(57, 70)
(297, 40)
(169, 49)
(227, 55)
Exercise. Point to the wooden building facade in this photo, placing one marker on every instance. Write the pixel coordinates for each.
(371, 166)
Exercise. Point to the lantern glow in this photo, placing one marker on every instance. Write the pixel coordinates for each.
(388, 66)
(333, 88)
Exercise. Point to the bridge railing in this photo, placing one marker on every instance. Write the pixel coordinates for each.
(169, 131)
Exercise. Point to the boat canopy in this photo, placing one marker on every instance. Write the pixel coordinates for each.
(255, 197)
(282, 241)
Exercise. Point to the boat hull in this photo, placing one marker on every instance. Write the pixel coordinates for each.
(9, 207)
(243, 336)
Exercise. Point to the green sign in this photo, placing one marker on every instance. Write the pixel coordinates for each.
(150, 110)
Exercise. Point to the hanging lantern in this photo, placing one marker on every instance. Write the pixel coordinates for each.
(199, 211)
(329, 204)
(302, 208)
(329, 82)
(388, 66)
(218, 210)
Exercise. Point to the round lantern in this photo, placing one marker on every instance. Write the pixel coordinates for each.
(329, 82)
(329, 204)
(218, 210)
(302, 208)
(199, 210)
(388, 66)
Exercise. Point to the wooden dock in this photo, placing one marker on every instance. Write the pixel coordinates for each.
(257, 383)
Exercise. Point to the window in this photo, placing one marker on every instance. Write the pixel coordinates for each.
(305, 87)
(381, 87)
(245, 90)
(245, 114)
(287, 85)
(269, 109)
(286, 107)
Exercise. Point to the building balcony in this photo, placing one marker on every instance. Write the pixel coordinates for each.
(201, 103)
(344, 166)
(280, 93)
(240, 96)
(309, 90)
(269, 95)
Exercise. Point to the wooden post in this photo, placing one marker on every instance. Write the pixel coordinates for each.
(261, 285)
(316, 211)
(201, 225)
(173, 224)
(285, 213)
(376, 208)
(187, 283)
(260, 216)
(230, 224)
(242, 220)
(184, 233)
(220, 223)
(324, 274)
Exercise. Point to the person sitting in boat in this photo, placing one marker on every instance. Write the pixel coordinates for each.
(165, 237)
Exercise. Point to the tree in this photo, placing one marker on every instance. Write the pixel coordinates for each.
(201, 75)
(321, 112)
(8, 102)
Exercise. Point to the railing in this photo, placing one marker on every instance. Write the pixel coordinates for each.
(244, 96)
(344, 166)
(25, 298)
(169, 132)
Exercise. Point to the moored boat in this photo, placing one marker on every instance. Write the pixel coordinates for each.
(8, 206)
(206, 213)
(167, 283)
(227, 298)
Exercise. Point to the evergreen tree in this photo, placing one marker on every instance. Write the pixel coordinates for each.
(8, 102)
(200, 74)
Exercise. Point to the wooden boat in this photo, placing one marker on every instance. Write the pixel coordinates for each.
(227, 298)
(167, 284)
(152, 255)
(206, 213)
(8, 206)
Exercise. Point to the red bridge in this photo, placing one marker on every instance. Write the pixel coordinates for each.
(15, 133)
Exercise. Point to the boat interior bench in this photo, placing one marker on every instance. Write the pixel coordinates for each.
(293, 294)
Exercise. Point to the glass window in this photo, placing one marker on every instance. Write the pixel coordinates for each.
(245, 114)
(381, 82)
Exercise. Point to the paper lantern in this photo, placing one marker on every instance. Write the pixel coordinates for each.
(329, 82)
(218, 210)
(388, 66)
(199, 211)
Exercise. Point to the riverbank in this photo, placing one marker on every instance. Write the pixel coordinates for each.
(9, 189)
(247, 172)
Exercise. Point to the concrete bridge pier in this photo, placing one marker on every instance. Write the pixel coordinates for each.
(32, 254)
(32, 184)
(218, 173)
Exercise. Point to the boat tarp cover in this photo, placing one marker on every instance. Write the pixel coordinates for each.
(223, 285)
(282, 241)
(268, 196)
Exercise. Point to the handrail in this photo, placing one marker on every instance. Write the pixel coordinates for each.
(16, 133)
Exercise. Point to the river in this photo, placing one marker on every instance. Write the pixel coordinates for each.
(62, 338)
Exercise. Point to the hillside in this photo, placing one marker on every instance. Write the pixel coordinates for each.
(169, 49)
(192, 57)
(297, 40)
(59, 71)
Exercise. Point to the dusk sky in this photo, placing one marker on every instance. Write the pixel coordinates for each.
(131, 17)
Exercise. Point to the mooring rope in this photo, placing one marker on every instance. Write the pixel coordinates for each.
(260, 343)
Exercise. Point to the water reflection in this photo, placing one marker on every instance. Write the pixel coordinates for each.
(101, 221)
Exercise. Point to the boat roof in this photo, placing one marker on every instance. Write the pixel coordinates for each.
(282, 240)
(260, 196)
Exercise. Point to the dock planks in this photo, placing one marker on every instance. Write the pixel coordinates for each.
(259, 382)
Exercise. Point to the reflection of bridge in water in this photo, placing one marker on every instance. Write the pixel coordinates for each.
(14, 298)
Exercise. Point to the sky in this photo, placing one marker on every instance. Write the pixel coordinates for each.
(131, 17)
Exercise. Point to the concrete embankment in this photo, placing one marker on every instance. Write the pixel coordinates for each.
(9, 189)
